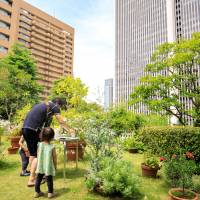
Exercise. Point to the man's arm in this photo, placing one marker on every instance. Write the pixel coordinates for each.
(63, 124)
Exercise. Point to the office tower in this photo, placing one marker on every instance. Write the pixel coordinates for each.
(50, 40)
(108, 93)
(141, 26)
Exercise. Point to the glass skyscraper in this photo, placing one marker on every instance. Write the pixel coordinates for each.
(141, 26)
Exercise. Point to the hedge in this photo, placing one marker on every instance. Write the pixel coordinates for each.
(170, 140)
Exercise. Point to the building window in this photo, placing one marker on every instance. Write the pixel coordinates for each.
(6, 1)
(3, 49)
(4, 37)
(25, 11)
(4, 25)
(24, 42)
(4, 12)
(25, 24)
(24, 35)
(25, 30)
(26, 18)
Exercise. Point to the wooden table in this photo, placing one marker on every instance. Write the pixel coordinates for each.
(66, 139)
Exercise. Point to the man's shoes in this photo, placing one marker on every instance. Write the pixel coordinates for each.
(40, 194)
(51, 195)
(25, 173)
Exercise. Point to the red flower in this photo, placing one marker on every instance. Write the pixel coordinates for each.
(162, 159)
(189, 155)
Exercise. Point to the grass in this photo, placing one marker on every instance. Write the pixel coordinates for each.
(13, 187)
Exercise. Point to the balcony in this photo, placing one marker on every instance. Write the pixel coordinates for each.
(6, 19)
(6, 6)
(40, 43)
(27, 14)
(40, 48)
(40, 25)
(36, 35)
(5, 31)
(59, 61)
(40, 31)
(25, 19)
(39, 53)
(24, 37)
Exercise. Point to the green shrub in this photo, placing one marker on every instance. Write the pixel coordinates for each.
(169, 140)
(117, 178)
(155, 120)
(196, 184)
(120, 120)
(133, 143)
(151, 161)
(178, 171)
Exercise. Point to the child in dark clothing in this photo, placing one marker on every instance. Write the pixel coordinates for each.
(23, 151)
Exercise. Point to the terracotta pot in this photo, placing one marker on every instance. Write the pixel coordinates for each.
(148, 171)
(172, 197)
(133, 150)
(14, 140)
(12, 150)
(71, 150)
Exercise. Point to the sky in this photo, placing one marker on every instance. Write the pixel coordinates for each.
(94, 52)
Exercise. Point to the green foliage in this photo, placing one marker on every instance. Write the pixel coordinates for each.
(178, 171)
(21, 114)
(196, 183)
(100, 139)
(117, 177)
(176, 68)
(2, 130)
(18, 84)
(121, 120)
(169, 140)
(151, 161)
(133, 143)
(155, 120)
(71, 89)
(20, 58)
(16, 131)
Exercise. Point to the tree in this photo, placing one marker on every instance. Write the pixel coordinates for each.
(72, 90)
(18, 84)
(20, 58)
(172, 77)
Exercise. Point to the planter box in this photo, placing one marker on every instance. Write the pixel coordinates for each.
(172, 197)
(71, 150)
(133, 150)
(14, 140)
(148, 171)
(12, 150)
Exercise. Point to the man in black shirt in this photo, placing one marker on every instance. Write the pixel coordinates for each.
(38, 117)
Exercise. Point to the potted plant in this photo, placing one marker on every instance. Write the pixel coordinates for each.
(14, 140)
(178, 171)
(79, 126)
(132, 145)
(150, 166)
(15, 137)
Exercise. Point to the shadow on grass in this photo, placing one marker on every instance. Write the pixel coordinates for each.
(71, 173)
(62, 191)
(8, 165)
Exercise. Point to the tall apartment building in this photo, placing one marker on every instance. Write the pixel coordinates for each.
(142, 25)
(108, 93)
(50, 40)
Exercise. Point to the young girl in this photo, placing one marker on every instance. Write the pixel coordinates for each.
(24, 153)
(46, 163)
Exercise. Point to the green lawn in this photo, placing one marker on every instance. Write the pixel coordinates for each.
(13, 187)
